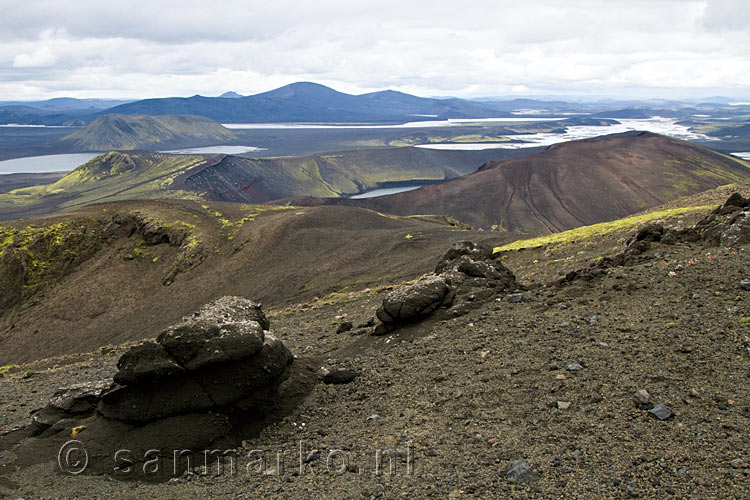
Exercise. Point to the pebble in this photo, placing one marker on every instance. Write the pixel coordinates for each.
(745, 285)
(521, 472)
(642, 398)
(574, 367)
(340, 376)
(660, 411)
(738, 463)
(563, 405)
(372, 417)
(514, 298)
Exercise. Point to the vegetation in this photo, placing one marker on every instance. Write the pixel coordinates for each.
(586, 232)
(127, 132)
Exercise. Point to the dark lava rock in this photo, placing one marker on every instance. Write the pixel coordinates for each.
(412, 302)
(521, 472)
(467, 274)
(660, 411)
(340, 376)
(344, 327)
(467, 260)
(212, 379)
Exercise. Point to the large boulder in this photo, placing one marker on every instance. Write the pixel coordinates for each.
(414, 301)
(209, 379)
(466, 272)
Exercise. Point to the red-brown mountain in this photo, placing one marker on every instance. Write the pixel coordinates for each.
(569, 185)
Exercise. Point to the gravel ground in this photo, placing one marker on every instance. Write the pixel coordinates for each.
(549, 381)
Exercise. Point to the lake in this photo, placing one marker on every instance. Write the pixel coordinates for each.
(229, 150)
(744, 155)
(49, 163)
(453, 122)
(664, 126)
(385, 191)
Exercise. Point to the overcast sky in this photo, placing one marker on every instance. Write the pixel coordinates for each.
(158, 48)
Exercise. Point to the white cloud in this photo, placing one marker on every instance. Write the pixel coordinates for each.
(40, 58)
(489, 47)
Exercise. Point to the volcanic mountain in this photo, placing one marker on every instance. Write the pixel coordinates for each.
(125, 132)
(570, 185)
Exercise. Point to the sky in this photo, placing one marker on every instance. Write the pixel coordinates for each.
(158, 48)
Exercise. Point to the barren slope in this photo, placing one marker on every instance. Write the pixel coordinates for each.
(571, 184)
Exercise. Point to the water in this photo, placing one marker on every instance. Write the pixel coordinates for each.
(425, 124)
(744, 155)
(229, 150)
(385, 191)
(18, 125)
(473, 146)
(657, 125)
(49, 163)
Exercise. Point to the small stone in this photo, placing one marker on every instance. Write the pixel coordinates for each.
(344, 327)
(521, 472)
(514, 298)
(642, 398)
(660, 411)
(745, 285)
(372, 417)
(560, 376)
(694, 393)
(563, 405)
(738, 463)
(340, 376)
(574, 367)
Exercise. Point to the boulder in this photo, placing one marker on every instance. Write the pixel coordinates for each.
(412, 302)
(219, 366)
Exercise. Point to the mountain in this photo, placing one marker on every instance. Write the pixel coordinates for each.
(68, 103)
(123, 132)
(142, 175)
(310, 102)
(570, 184)
(230, 95)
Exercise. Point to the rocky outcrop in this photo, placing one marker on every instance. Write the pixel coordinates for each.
(210, 379)
(466, 273)
(726, 226)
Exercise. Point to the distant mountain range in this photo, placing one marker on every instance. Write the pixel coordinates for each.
(311, 102)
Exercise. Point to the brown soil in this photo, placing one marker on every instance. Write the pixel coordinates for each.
(466, 396)
(569, 185)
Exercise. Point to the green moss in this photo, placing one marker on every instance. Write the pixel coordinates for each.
(586, 232)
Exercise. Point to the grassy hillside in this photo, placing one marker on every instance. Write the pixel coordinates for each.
(125, 132)
(141, 175)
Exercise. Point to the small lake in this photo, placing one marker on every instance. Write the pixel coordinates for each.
(229, 150)
(385, 191)
(744, 155)
(452, 122)
(49, 163)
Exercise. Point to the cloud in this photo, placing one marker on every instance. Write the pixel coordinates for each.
(40, 58)
(431, 48)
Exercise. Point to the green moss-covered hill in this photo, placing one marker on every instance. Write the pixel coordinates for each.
(130, 175)
(125, 132)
